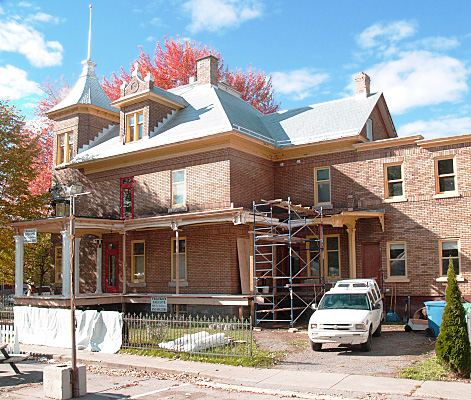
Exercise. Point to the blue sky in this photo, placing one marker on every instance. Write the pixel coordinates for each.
(417, 52)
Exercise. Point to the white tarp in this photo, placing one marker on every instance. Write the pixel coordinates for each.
(196, 342)
(95, 331)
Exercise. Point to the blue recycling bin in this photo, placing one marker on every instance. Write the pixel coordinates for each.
(435, 313)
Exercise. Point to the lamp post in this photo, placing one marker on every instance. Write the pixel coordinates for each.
(71, 192)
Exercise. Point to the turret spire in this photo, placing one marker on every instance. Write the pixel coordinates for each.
(90, 35)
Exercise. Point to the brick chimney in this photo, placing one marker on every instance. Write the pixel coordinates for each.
(362, 85)
(207, 70)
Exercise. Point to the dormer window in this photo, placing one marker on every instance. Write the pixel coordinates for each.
(65, 147)
(135, 127)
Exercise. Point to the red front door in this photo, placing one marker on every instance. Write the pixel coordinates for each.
(111, 267)
(371, 261)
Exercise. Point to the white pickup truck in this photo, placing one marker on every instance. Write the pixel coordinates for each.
(349, 313)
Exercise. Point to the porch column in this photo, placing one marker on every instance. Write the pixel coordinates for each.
(19, 248)
(77, 265)
(99, 266)
(352, 254)
(65, 263)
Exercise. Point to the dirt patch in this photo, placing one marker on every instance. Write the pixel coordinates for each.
(392, 352)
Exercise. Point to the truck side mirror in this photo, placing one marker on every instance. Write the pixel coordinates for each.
(314, 306)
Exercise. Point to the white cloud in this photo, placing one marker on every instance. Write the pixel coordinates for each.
(216, 15)
(438, 43)
(379, 35)
(24, 4)
(419, 78)
(26, 40)
(298, 83)
(449, 126)
(151, 39)
(14, 83)
(42, 17)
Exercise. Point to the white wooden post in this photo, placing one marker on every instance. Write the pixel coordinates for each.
(65, 263)
(77, 265)
(19, 248)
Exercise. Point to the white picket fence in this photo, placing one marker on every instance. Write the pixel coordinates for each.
(8, 335)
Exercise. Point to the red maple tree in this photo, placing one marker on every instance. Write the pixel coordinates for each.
(42, 129)
(175, 63)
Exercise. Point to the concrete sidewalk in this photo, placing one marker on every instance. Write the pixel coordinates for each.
(282, 379)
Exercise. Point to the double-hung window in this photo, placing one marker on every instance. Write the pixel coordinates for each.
(397, 267)
(394, 181)
(138, 261)
(445, 175)
(181, 259)
(65, 148)
(329, 259)
(322, 185)
(449, 252)
(178, 188)
(127, 198)
(135, 127)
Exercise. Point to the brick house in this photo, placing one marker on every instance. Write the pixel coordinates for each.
(173, 176)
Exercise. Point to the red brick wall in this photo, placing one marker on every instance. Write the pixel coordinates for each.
(379, 128)
(211, 254)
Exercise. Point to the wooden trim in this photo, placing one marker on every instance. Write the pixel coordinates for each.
(146, 95)
(445, 141)
(386, 143)
(448, 193)
(173, 271)
(66, 112)
(316, 191)
(57, 267)
(133, 262)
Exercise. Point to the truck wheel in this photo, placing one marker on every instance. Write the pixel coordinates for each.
(316, 346)
(367, 345)
(377, 332)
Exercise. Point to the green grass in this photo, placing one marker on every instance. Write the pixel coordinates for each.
(428, 369)
(259, 359)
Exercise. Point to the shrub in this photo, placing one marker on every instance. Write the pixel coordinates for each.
(452, 347)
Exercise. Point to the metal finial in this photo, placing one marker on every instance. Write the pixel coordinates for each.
(90, 35)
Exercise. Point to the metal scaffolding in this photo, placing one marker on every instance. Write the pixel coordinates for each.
(288, 256)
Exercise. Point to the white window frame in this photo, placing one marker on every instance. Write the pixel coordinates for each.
(387, 182)
(437, 178)
(369, 129)
(441, 258)
(316, 190)
(396, 277)
(174, 184)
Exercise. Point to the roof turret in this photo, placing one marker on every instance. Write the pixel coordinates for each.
(87, 90)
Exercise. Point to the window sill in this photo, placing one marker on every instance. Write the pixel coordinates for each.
(323, 206)
(174, 284)
(446, 195)
(445, 279)
(137, 284)
(395, 200)
(397, 280)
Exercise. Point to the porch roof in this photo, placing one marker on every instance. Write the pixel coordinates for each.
(98, 226)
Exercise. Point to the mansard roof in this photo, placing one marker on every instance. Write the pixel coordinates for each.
(212, 110)
(87, 90)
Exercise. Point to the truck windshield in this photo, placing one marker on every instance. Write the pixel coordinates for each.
(353, 301)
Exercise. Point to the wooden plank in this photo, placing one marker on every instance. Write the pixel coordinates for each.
(13, 359)
(244, 249)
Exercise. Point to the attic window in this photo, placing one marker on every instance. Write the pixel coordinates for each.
(65, 148)
(135, 127)
(369, 130)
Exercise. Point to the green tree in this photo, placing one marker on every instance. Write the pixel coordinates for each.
(37, 261)
(452, 347)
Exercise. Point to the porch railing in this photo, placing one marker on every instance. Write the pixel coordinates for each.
(215, 337)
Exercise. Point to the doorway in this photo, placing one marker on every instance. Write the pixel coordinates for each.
(111, 267)
(371, 261)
